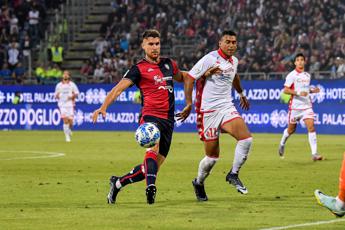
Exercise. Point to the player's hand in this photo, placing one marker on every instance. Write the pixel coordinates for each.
(244, 103)
(212, 70)
(315, 90)
(303, 94)
(96, 113)
(182, 116)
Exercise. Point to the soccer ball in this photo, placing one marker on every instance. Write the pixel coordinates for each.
(147, 135)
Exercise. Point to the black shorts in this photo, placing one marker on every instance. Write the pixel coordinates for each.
(166, 128)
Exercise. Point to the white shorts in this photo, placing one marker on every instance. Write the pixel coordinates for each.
(67, 112)
(210, 123)
(297, 115)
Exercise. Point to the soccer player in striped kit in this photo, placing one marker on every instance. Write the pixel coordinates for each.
(297, 84)
(154, 76)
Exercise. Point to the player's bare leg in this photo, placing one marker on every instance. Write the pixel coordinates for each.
(312, 139)
(239, 130)
(70, 124)
(205, 167)
(286, 134)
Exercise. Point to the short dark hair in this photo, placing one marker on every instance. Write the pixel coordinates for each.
(151, 33)
(298, 55)
(229, 32)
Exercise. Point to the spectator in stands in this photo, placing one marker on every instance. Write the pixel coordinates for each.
(100, 44)
(98, 74)
(53, 74)
(34, 20)
(86, 70)
(40, 73)
(19, 73)
(26, 46)
(13, 56)
(14, 25)
(56, 54)
(340, 63)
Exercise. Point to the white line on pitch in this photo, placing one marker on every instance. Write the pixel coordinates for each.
(45, 155)
(305, 224)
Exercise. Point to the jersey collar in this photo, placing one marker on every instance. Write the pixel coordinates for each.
(220, 52)
(298, 71)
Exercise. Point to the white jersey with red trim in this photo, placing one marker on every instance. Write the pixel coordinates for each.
(300, 82)
(65, 91)
(214, 92)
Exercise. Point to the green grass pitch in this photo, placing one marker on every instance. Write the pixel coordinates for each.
(69, 192)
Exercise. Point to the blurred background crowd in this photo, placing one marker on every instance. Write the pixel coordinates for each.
(269, 32)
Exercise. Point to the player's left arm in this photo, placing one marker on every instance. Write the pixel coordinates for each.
(182, 76)
(244, 103)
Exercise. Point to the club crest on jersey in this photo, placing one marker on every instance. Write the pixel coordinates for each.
(150, 70)
(166, 66)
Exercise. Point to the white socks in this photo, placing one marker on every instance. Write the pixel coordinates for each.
(339, 204)
(205, 166)
(313, 142)
(284, 137)
(241, 154)
(67, 132)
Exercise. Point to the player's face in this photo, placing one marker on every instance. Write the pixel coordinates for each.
(299, 63)
(228, 44)
(152, 47)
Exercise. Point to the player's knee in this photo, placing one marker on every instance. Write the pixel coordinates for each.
(214, 154)
(311, 129)
(291, 131)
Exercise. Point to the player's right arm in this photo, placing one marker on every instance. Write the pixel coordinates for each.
(57, 93)
(111, 97)
(131, 77)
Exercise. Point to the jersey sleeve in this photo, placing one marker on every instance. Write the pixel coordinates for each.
(289, 80)
(201, 67)
(175, 67)
(133, 74)
(57, 87)
(75, 89)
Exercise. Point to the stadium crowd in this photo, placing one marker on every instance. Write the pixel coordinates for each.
(269, 34)
(21, 29)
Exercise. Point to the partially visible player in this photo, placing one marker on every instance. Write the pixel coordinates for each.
(335, 204)
(215, 75)
(66, 92)
(154, 76)
(297, 84)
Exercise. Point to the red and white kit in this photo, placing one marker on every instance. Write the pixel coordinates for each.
(65, 91)
(300, 107)
(213, 103)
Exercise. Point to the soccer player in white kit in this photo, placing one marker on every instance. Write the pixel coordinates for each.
(215, 74)
(297, 84)
(66, 92)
